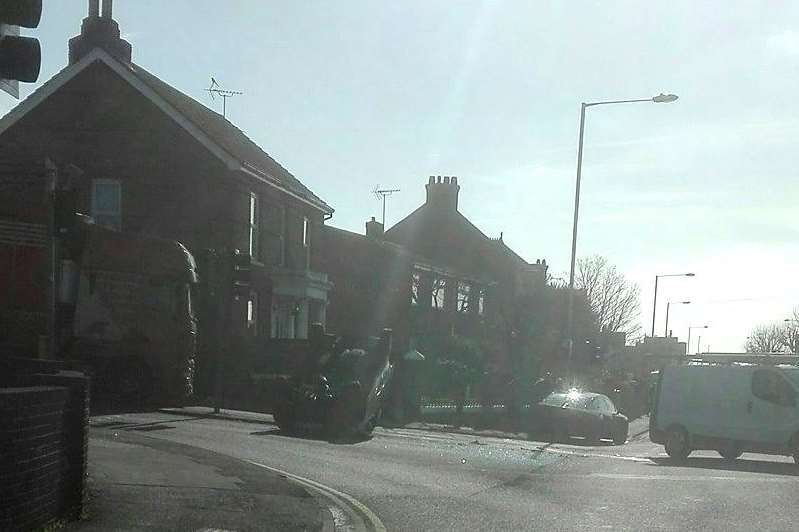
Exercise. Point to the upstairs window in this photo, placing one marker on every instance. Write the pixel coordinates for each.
(439, 297)
(416, 286)
(479, 295)
(107, 203)
(252, 314)
(464, 297)
(305, 234)
(254, 228)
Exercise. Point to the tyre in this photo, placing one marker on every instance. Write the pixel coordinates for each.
(794, 448)
(133, 382)
(560, 433)
(676, 444)
(730, 452)
(620, 435)
(285, 419)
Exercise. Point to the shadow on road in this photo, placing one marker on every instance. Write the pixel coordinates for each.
(720, 464)
(312, 436)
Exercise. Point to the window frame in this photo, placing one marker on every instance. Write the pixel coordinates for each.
(252, 313)
(463, 297)
(438, 286)
(96, 212)
(773, 396)
(254, 226)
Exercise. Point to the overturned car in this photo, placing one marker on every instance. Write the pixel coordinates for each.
(340, 391)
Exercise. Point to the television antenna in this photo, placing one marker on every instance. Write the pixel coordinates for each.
(225, 94)
(383, 193)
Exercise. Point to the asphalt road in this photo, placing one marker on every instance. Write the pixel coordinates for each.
(421, 480)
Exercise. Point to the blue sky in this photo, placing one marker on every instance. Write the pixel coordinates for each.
(348, 95)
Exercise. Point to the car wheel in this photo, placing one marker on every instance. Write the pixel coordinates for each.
(730, 452)
(676, 443)
(561, 434)
(134, 382)
(285, 419)
(620, 435)
(794, 448)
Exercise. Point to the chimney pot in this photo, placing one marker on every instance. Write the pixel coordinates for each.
(431, 180)
(94, 8)
(438, 179)
(446, 179)
(454, 180)
(108, 7)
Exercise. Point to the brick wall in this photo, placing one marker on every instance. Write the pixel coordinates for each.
(43, 444)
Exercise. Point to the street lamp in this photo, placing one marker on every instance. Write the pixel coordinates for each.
(668, 304)
(655, 303)
(689, 335)
(660, 98)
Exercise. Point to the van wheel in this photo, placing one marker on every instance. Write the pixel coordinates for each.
(676, 443)
(730, 452)
(794, 448)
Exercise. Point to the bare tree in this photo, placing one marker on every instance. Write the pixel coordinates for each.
(613, 299)
(790, 331)
(766, 338)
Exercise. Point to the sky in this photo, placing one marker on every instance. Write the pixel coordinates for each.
(350, 95)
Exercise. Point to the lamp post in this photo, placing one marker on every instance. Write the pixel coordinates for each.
(689, 335)
(655, 302)
(668, 304)
(660, 98)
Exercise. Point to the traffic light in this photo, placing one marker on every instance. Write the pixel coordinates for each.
(242, 266)
(20, 57)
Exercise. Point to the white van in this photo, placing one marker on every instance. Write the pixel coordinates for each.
(729, 408)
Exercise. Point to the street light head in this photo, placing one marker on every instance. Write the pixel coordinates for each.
(686, 302)
(690, 275)
(664, 98)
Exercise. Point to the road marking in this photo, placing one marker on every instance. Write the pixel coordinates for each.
(622, 476)
(360, 517)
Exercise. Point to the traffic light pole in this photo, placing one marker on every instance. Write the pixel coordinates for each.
(224, 268)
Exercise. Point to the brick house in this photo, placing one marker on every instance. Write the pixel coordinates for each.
(433, 272)
(154, 161)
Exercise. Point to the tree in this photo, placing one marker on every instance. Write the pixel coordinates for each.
(766, 338)
(614, 301)
(790, 332)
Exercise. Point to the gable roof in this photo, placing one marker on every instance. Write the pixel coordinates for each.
(453, 229)
(217, 134)
(398, 250)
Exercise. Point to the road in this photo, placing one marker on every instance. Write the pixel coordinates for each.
(422, 480)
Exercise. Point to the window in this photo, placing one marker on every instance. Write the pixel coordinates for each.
(254, 228)
(416, 285)
(438, 298)
(464, 296)
(107, 203)
(770, 386)
(480, 296)
(252, 314)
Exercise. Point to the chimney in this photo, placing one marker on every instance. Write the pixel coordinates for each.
(99, 31)
(443, 193)
(374, 229)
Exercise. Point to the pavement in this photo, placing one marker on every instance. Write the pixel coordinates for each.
(140, 483)
(420, 479)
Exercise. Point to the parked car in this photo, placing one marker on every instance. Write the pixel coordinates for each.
(343, 396)
(575, 413)
(729, 408)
